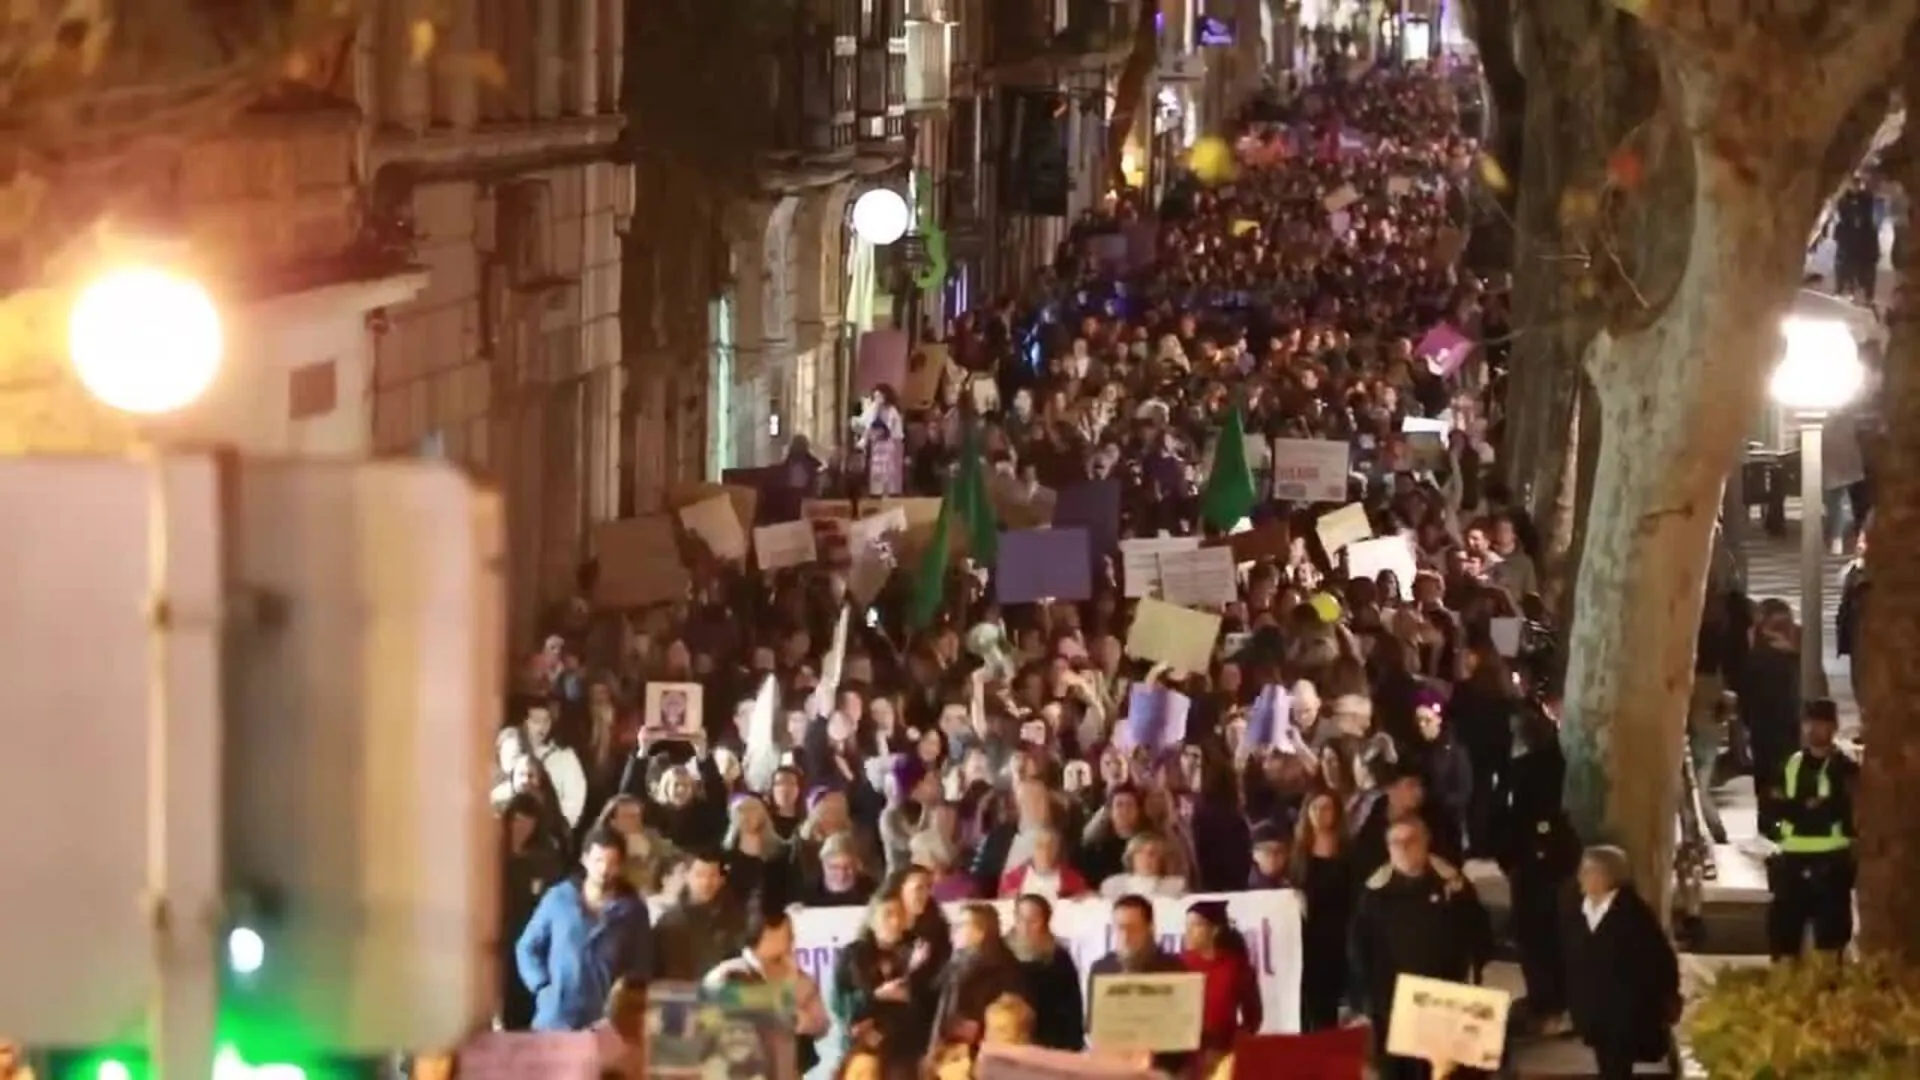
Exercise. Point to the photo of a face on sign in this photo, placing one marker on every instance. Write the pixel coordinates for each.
(674, 709)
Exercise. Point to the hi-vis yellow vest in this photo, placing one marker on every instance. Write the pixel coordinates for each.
(1835, 839)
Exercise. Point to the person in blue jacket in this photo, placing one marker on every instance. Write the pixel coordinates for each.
(587, 934)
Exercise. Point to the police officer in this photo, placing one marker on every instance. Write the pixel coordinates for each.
(1417, 915)
(1808, 813)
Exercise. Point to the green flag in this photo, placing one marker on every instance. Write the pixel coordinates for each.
(1229, 494)
(930, 580)
(975, 506)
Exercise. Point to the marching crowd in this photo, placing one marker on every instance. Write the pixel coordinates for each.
(1351, 733)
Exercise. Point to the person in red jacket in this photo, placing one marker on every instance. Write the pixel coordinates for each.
(1216, 950)
(1044, 873)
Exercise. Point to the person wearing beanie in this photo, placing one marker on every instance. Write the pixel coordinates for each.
(1271, 850)
(1232, 989)
(911, 787)
(1443, 762)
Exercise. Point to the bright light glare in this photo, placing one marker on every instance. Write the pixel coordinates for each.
(228, 1065)
(246, 950)
(144, 340)
(880, 216)
(113, 1070)
(1821, 369)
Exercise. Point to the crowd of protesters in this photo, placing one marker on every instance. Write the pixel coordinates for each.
(953, 750)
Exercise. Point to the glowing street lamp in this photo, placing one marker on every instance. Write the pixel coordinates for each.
(1820, 373)
(145, 340)
(880, 216)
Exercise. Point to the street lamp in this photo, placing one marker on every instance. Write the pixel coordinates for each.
(1819, 373)
(145, 340)
(880, 216)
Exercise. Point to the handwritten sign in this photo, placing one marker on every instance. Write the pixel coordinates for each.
(790, 543)
(1140, 562)
(1169, 634)
(1338, 528)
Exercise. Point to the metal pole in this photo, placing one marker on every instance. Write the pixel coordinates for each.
(184, 836)
(1813, 552)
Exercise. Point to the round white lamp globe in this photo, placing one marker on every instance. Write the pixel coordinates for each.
(1821, 369)
(144, 340)
(880, 216)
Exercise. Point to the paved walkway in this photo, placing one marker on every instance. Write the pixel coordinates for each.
(1734, 899)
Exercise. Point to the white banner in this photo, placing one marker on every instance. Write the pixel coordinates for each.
(1310, 470)
(1269, 920)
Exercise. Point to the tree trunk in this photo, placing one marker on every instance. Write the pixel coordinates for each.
(1679, 380)
(1675, 399)
(1887, 813)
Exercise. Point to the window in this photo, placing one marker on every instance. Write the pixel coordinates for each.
(313, 390)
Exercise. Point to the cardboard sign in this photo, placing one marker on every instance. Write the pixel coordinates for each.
(1274, 540)
(1340, 198)
(882, 361)
(925, 368)
(1169, 634)
(1338, 528)
(716, 522)
(1140, 562)
(1158, 1013)
(1435, 1020)
(1311, 470)
(1199, 577)
(790, 543)
(639, 562)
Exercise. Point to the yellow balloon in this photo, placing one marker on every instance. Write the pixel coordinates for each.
(1325, 606)
(1211, 159)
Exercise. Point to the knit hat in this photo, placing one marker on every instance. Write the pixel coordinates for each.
(1268, 833)
(1427, 698)
(1213, 911)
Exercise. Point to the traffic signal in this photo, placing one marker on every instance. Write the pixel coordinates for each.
(358, 746)
(297, 773)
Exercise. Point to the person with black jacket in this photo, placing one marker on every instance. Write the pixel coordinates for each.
(1404, 797)
(982, 972)
(532, 863)
(1622, 975)
(873, 990)
(1538, 850)
(1052, 979)
(1417, 915)
(1137, 951)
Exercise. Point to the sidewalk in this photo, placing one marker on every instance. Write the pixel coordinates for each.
(1564, 1059)
(1773, 570)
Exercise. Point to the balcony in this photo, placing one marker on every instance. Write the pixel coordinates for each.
(929, 57)
(813, 114)
(1034, 42)
(880, 78)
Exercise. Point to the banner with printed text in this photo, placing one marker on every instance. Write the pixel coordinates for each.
(1269, 920)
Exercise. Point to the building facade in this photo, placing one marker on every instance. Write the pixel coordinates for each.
(494, 162)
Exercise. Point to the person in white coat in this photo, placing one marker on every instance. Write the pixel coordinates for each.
(562, 764)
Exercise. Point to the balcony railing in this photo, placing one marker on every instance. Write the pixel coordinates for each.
(929, 47)
(813, 115)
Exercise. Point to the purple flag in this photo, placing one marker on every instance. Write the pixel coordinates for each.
(1445, 348)
(1043, 564)
(1092, 506)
